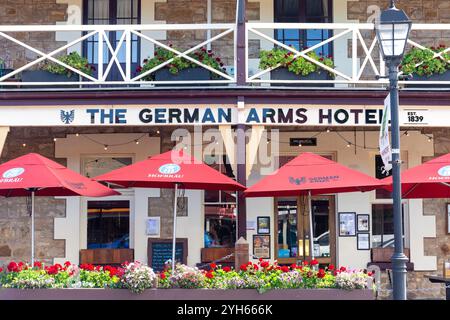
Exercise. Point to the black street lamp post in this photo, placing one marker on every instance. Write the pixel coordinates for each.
(392, 31)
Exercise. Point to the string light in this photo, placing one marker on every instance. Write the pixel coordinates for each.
(349, 144)
(105, 147)
(77, 134)
(407, 133)
(54, 139)
(430, 139)
(24, 145)
(328, 130)
(300, 144)
(157, 131)
(136, 141)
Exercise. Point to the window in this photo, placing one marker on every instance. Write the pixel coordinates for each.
(112, 12)
(108, 224)
(383, 225)
(220, 209)
(318, 11)
(95, 166)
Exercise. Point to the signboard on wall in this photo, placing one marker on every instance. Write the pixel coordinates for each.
(160, 250)
(175, 115)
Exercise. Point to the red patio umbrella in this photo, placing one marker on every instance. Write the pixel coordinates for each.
(310, 174)
(428, 180)
(171, 170)
(34, 175)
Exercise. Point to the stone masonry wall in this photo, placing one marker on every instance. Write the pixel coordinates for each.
(22, 12)
(15, 221)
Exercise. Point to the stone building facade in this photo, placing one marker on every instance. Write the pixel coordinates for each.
(14, 213)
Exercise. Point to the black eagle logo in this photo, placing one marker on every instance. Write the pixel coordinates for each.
(67, 117)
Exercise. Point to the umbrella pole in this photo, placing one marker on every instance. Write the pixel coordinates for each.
(32, 228)
(174, 240)
(311, 227)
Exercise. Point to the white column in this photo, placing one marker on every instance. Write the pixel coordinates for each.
(3, 134)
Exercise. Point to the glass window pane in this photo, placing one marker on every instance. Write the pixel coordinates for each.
(220, 226)
(320, 210)
(287, 228)
(316, 8)
(108, 224)
(94, 166)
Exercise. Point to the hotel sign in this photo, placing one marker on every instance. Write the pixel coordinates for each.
(269, 115)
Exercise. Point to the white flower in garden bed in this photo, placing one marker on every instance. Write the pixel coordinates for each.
(137, 277)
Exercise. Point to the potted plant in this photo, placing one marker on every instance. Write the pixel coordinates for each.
(54, 72)
(422, 65)
(299, 68)
(181, 69)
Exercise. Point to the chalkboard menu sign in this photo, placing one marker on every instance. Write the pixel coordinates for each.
(160, 250)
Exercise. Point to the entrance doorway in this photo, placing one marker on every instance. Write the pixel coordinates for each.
(292, 230)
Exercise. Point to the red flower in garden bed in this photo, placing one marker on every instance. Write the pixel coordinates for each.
(12, 267)
(226, 269)
(321, 274)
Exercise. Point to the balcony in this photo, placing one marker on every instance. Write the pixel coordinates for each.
(352, 48)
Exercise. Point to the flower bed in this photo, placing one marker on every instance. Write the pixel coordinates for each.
(263, 277)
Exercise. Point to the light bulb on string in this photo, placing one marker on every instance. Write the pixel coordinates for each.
(54, 139)
(430, 139)
(349, 144)
(407, 133)
(328, 130)
(77, 134)
(105, 147)
(136, 141)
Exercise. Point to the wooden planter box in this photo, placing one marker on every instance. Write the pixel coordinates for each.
(185, 294)
(45, 76)
(435, 77)
(106, 256)
(285, 74)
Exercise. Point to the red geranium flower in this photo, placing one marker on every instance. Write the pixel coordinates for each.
(213, 265)
(255, 266)
(162, 275)
(343, 269)
(264, 264)
(52, 270)
(1, 269)
(209, 275)
(12, 267)
(243, 267)
(37, 264)
(226, 269)
(314, 262)
(285, 268)
(331, 267)
(305, 263)
(321, 273)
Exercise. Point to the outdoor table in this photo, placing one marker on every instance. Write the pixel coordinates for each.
(438, 279)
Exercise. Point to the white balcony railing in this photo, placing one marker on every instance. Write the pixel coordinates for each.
(108, 53)
(356, 56)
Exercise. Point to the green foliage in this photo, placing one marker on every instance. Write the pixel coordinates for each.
(423, 62)
(162, 55)
(29, 279)
(74, 60)
(96, 279)
(286, 59)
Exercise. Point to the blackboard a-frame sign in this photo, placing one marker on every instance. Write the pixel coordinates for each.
(160, 250)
